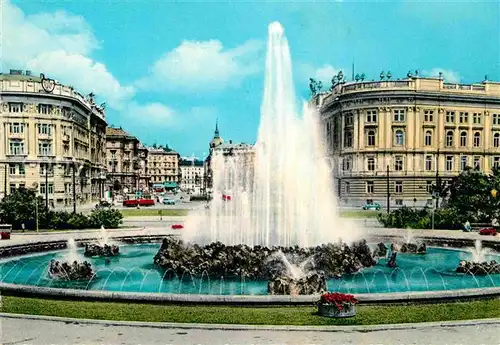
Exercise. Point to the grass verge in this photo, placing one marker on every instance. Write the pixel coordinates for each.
(359, 214)
(148, 212)
(366, 315)
(145, 212)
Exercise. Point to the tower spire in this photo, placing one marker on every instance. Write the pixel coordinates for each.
(216, 133)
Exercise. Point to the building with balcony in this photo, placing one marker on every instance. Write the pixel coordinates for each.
(52, 139)
(394, 139)
(125, 170)
(163, 166)
(192, 175)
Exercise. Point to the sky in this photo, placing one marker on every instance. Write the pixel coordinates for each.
(168, 69)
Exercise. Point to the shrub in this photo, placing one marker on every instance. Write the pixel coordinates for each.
(103, 216)
(78, 221)
(404, 217)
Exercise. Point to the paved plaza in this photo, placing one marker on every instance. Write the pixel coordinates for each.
(67, 331)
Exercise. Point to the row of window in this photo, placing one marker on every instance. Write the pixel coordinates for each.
(18, 128)
(399, 139)
(20, 169)
(399, 115)
(398, 187)
(16, 147)
(429, 163)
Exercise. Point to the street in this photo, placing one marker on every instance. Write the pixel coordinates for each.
(66, 332)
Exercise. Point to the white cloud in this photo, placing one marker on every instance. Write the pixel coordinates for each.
(60, 45)
(196, 66)
(152, 114)
(448, 75)
(324, 73)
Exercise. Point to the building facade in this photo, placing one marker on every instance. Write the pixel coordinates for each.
(163, 166)
(142, 156)
(52, 139)
(393, 140)
(192, 175)
(122, 160)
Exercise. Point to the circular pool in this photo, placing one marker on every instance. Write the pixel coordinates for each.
(133, 271)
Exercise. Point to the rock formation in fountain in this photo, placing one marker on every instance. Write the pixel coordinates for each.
(380, 251)
(478, 268)
(66, 271)
(300, 270)
(281, 192)
(93, 249)
(309, 284)
(412, 248)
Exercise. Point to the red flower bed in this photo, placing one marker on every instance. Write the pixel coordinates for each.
(177, 226)
(340, 300)
(488, 231)
(5, 235)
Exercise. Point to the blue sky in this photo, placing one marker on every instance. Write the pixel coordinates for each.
(168, 69)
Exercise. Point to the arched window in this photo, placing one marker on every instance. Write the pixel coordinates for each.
(496, 140)
(449, 138)
(477, 139)
(371, 138)
(428, 138)
(463, 139)
(400, 137)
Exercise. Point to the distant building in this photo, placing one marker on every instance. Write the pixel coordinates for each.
(192, 175)
(49, 133)
(393, 138)
(123, 161)
(163, 166)
(227, 150)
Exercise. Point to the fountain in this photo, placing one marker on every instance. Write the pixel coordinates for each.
(71, 267)
(103, 247)
(277, 233)
(478, 265)
(282, 192)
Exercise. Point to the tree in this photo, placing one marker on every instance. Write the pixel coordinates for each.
(21, 207)
(470, 195)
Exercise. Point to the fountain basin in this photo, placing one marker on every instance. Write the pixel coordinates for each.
(132, 275)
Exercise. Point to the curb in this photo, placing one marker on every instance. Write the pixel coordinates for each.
(229, 327)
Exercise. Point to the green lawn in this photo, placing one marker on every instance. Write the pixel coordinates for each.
(359, 214)
(145, 212)
(367, 315)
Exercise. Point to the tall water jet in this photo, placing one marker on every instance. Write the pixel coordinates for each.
(103, 238)
(478, 253)
(72, 254)
(282, 192)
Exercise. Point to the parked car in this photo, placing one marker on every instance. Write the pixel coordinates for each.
(167, 201)
(488, 232)
(373, 206)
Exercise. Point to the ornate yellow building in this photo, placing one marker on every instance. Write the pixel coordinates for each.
(395, 137)
(163, 166)
(47, 131)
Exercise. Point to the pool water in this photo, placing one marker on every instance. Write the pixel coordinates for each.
(133, 271)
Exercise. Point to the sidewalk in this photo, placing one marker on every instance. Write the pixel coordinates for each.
(43, 330)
